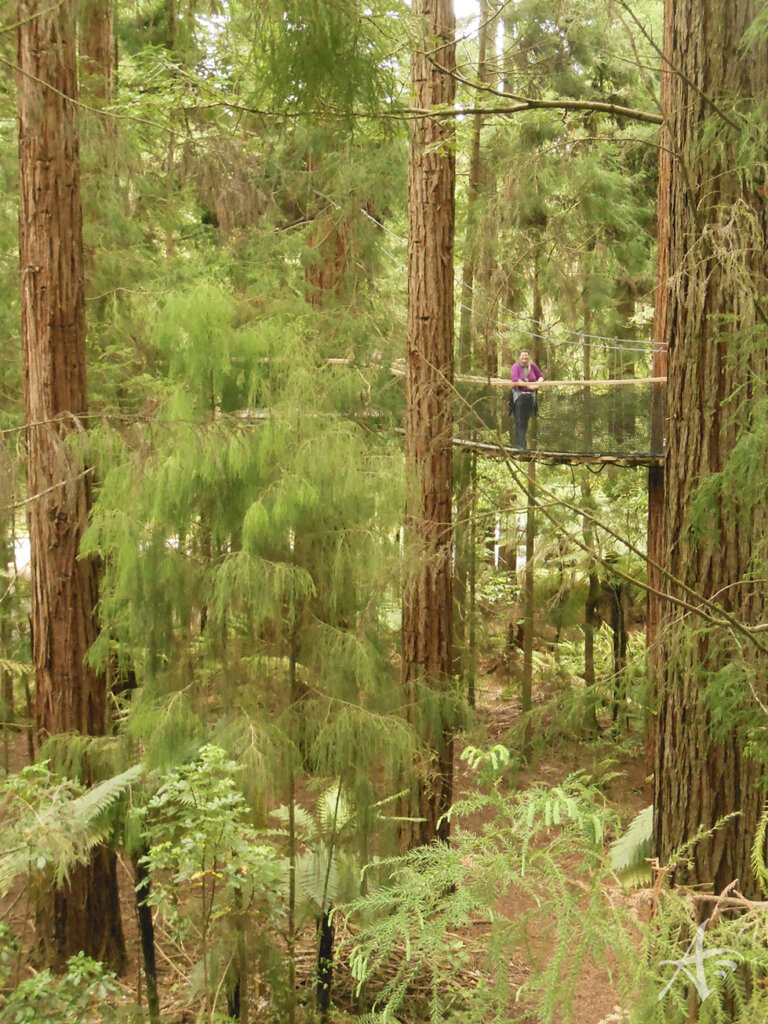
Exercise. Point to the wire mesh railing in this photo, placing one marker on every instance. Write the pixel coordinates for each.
(617, 418)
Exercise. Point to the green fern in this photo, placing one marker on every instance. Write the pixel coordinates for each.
(408, 927)
(757, 856)
(99, 798)
(629, 853)
(15, 668)
(325, 872)
(50, 825)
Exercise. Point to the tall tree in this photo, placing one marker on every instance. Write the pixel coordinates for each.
(712, 316)
(428, 657)
(477, 173)
(97, 48)
(70, 697)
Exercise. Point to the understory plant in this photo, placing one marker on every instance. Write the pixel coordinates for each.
(475, 902)
(51, 823)
(214, 882)
(534, 885)
(86, 992)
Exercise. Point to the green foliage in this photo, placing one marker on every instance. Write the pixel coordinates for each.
(630, 852)
(488, 764)
(485, 902)
(757, 858)
(327, 871)
(306, 44)
(446, 906)
(199, 838)
(50, 823)
(248, 501)
(211, 876)
(86, 991)
(9, 951)
(732, 961)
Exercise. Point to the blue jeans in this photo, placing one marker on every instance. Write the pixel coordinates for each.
(524, 406)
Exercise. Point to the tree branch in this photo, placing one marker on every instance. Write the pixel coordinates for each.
(526, 103)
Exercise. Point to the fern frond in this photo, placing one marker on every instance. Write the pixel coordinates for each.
(99, 798)
(304, 824)
(757, 854)
(15, 668)
(58, 830)
(629, 853)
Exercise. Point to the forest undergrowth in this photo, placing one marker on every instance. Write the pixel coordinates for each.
(524, 918)
(614, 765)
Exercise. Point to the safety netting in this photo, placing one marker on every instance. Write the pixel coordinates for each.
(619, 418)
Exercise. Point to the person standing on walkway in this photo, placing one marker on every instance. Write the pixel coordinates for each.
(526, 378)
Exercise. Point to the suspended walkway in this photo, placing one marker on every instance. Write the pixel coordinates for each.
(618, 422)
(537, 454)
(579, 422)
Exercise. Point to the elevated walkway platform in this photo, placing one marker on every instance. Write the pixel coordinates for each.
(595, 422)
(626, 460)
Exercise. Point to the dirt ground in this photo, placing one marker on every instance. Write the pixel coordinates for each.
(594, 997)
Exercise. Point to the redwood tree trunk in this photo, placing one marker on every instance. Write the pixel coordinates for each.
(327, 242)
(713, 262)
(428, 658)
(69, 697)
(477, 174)
(97, 48)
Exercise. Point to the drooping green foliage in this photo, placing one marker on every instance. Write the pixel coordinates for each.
(245, 226)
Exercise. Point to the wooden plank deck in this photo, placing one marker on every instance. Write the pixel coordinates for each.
(628, 460)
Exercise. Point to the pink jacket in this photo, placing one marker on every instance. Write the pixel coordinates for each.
(517, 373)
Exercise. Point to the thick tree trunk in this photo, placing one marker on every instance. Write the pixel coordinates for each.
(69, 696)
(713, 260)
(428, 658)
(327, 264)
(97, 49)
(469, 304)
(325, 273)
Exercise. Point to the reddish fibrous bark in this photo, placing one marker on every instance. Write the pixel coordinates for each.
(97, 48)
(712, 262)
(69, 696)
(428, 655)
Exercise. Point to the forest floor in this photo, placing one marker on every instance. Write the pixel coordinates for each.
(594, 1000)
